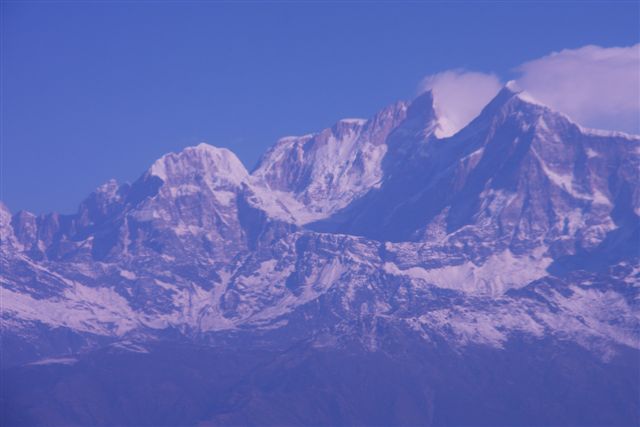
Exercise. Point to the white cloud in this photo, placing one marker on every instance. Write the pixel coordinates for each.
(459, 96)
(597, 87)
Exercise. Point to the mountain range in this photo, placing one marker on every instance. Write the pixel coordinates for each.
(372, 273)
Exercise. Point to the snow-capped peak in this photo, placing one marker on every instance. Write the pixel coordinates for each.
(108, 190)
(352, 121)
(419, 116)
(513, 86)
(522, 94)
(327, 170)
(204, 159)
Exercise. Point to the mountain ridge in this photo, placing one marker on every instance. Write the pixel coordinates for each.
(518, 233)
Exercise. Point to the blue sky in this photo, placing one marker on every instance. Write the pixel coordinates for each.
(92, 91)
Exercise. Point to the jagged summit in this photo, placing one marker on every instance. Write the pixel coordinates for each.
(218, 163)
(512, 96)
(327, 170)
(513, 87)
(448, 122)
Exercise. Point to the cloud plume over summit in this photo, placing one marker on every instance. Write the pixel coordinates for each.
(459, 96)
(596, 86)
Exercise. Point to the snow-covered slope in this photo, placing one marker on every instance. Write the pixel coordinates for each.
(325, 171)
(519, 190)
(519, 173)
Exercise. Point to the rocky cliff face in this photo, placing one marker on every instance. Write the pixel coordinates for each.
(372, 244)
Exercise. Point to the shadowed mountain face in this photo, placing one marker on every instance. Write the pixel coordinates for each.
(369, 274)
